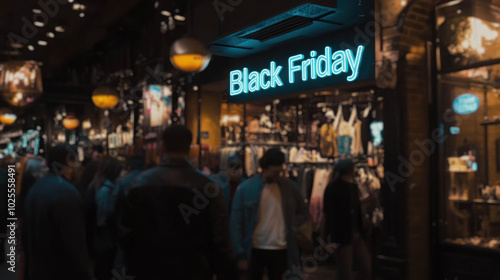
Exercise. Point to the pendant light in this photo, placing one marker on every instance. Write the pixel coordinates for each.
(20, 82)
(189, 55)
(105, 97)
(7, 117)
(70, 122)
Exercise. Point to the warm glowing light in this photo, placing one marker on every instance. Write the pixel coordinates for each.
(60, 29)
(37, 11)
(50, 34)
(403, 3)
(7, 117)
(188, 62)
(179, 18)
(166, 13)
(105, 97)
(42, 43)
(31, 48)
(480, 31)
(70, 122)
(82, 15)
(39, 24)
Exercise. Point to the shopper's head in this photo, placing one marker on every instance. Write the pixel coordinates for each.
(345, 168)
(177, 140)
(235, 168)
(63, 161)
(272, 165)
(109, 169)
(97, 152)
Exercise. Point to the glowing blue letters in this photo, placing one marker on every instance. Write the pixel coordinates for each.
(316, 66)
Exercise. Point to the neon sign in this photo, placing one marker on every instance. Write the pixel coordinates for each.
(315, 67)
(466, 103)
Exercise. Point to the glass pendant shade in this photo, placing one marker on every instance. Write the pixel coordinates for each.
(105, 97)
(189, 55)
(7, 117)
(70, 122)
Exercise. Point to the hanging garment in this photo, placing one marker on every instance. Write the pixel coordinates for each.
(327, 143)
(357, 144)
(314, 140)
(249, 162)
(345, 136)
(321, 180)
(293, 154)
(366, 134)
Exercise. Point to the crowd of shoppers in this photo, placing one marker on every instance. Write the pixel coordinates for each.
(171, 221)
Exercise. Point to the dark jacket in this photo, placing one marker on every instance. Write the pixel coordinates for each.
(245, 211)
(342, 210)
(177, 225)
(54, 232)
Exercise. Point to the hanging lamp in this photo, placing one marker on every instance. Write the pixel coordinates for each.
(105, 97)
(70, 122)
(7, 117)
(189, 55)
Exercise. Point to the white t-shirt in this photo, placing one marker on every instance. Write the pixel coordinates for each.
(270, 232)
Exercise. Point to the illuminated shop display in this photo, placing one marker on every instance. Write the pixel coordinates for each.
(20, 82)
(105, 97)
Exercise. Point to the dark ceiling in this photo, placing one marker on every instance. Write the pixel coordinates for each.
(17, 31)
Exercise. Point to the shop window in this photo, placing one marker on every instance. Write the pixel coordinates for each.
(468, 33)
(469, 114)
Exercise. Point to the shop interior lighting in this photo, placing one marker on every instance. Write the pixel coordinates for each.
(39, 24)
(42, 43)
(82, 15)
(31, 48)
(179, 18)
(59, 29)
(79, 7)
(166, 13)
(37, 11)
(16, 45)
(50, 34)
(403, 3)
(479, 31)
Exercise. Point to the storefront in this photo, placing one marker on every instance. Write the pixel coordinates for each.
(315, 97)
(469, 158)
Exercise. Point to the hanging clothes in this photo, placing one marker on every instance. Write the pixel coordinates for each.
(357, 144)
(366, 134)
(345, 135)
(321, 179)
(327, 143)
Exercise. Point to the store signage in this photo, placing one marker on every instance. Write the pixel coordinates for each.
(315, 67)
(466, 103)
(335, 58)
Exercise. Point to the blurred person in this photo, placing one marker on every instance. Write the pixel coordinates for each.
(101, 218)
(134, 166)
(267, 209)
(34, 169)
(97, 152)
(342, 224)
(175, 222)
(53, 224)
(230, 179)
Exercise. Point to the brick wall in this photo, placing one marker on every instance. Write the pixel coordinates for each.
(410, 40)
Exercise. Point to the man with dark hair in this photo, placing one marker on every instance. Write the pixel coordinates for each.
(342, 224)
(266, 212)
(97, 152)
(53, 225)
(174, 219)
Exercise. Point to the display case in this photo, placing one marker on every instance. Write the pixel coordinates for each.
(469, 120)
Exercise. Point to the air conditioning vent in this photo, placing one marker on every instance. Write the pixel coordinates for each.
(288, 25)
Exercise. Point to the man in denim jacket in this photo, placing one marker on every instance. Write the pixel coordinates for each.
(266, 212)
